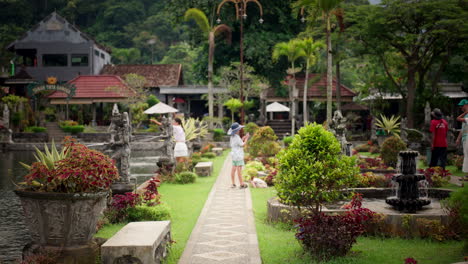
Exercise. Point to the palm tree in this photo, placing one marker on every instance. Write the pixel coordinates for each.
(293, 51)
(211, 32)
(327, 8)
(310, 49)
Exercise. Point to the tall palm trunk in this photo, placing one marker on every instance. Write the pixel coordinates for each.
(329, 72)
(211, 41)
(305, 109)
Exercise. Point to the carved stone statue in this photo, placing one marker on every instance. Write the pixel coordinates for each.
(6, 116)
(6, 134)
(119, 149)
(427, 114)
(338, 127)
(404, 130)
(373, 130)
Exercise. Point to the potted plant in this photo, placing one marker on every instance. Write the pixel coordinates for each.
(63, 196)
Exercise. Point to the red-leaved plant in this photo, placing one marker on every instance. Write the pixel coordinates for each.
(328, 236)
(436, 176)
(410, 261)
(83, 170)
(151, 195)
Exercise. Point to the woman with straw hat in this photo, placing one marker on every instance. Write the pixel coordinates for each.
(237, 153)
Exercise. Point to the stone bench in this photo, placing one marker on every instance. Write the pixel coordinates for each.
(217, 151)
(204, 168)
(138, 242)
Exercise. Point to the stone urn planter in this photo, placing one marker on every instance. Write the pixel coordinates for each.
(64, 222)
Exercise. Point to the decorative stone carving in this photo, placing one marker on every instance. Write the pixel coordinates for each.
(404, 130)
(427, 114)
(338, 128)
(6, 134)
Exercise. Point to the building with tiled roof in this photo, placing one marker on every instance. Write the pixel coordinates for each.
(317, 90)
(156, 75)
(94, 89)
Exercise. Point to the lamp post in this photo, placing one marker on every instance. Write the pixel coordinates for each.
(241, 14)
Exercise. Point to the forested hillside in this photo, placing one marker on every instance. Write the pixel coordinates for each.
(374, 45)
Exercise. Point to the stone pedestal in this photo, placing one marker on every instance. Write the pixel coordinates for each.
(138, 242)
(217, 151)
(204, 168)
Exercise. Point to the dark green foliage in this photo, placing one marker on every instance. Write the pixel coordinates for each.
(159, 212)
(35, 129)
(73, 129)
(263, 143)
(288, 140)
(250, 128)
(152, 100)
(362, 148)
(209, 155)
(185, 177)
(218, 134)
(390, 149)
(312, 170)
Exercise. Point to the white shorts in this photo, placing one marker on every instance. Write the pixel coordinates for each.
(180, 150)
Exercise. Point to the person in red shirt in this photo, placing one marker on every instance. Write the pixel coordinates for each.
(439, 128)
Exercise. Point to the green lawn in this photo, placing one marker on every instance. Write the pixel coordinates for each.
(278, 245)
(185, 202)
(369, 155)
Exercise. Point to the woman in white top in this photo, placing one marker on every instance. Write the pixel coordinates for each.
(237, 153)
(180, 149)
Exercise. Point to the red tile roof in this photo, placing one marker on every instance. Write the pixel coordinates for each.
(156, 74)
(97, 86)
(318, 88)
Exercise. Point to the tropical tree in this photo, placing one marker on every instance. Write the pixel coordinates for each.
(327, 8)
(211, 32)
(293, 51)
(310, 49)
(233, 105)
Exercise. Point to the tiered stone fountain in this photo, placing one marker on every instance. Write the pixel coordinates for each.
(408, 195)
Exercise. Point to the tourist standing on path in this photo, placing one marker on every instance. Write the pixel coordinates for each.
(439, 129)
(237, 153)
(464, 132)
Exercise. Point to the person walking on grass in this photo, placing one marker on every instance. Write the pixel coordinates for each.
(237, 153)
(439, 129)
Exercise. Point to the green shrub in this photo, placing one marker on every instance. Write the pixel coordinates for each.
(209, 155)
(152, 100)
(249, 173)
(390, 149)
(263, 143)
(374, 150)
(251, 128)
(362, 148)
(68, 123)
(185, 177)
(312, 170)
(73, 129)
(288, 140)
(256, 165)
(35, 129)
(148, 213)
(218, 134)
(153, 128)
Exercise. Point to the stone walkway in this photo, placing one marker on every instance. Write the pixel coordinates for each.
(225, 230)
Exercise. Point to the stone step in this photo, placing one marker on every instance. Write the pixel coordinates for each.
(142, 169)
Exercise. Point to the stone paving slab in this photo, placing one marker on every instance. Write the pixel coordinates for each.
(225, 230)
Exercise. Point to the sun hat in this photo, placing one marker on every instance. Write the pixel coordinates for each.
(463, 102)
(437, 114)
(234, 128)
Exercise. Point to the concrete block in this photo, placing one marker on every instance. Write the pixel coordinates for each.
(217, 151)
(204, 168)
(138, 242)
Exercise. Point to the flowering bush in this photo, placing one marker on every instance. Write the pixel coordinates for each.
(327, 236)
(263, 143)
(370, 179)
(410, 261)
(207, 148)
(82, 170)
(436, 176)
(458, 161)
(390, 149)
(372, 164)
